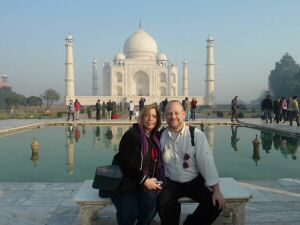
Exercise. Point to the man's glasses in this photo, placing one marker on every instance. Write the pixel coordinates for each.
(185, 158)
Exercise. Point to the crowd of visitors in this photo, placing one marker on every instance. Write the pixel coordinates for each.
(281, 109)
(284, 110)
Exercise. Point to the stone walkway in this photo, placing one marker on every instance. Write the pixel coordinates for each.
(274, 202)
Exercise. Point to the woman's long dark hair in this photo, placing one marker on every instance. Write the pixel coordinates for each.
(145, 111)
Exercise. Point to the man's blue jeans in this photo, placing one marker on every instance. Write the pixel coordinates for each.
(193, 112)
(136, 207)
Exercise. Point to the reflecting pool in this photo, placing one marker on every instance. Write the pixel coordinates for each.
(71, 153)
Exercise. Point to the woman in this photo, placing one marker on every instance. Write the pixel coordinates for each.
(140, 159)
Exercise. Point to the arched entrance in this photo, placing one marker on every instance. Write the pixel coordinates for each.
(141, 87)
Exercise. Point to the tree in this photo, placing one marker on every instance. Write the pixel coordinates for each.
(50, 96)
(13, 99)
(34, 101)
(283, 80)
(256, 103)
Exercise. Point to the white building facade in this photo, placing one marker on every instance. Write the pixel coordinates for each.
(140, 71)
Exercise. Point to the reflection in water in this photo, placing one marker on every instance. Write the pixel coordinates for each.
(77, 134)
(286, 144)
(210, 135)
(255, 155)
(96, 137)
(70, 148)
(97, 133)
(35, 147)
(289, 146)
(102, 142)
(266, 140)
(234, 138)
(70, 132)
(84, 130)
(107, 138)
(276, 141)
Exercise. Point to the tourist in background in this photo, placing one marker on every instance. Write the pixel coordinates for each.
(193, 108)
(103, 110)
(187, 108)
(71, 110)
(283, 106)
(276, 109)
(234, 108)
(141, 104)
(109, 107)
(164, 103)
(294, 111)
(98, 108)
(77, 109)
(131, 109)
(140, 159)
(115, 116)
(267, 107)
(184, 164)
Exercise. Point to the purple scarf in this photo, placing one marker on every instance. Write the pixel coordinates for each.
(145, 148)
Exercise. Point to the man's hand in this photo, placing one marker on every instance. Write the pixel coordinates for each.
(218, 197)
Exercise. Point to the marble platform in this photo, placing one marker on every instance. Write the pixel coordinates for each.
(273, 202)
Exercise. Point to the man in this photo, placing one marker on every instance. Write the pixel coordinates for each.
(267, 107)
(109, 107)
(190, 171)
(193, 108)
(141, 104)
(234, 108)
(276, 109)
(131, 109)
(98, 108)
(294, 111)
(164, 104)
(187, 108)
(71, 110)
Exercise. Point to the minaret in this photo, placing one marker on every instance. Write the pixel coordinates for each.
(210, 98)
(70, 80)
(185, 87)
(95, 78)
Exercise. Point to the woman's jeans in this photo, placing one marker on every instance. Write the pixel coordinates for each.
(137, 207)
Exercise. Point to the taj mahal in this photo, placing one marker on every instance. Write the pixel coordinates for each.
(140, 71)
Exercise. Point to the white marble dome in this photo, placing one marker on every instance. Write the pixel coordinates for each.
(120, 57)
(162, 57)
(140, 45)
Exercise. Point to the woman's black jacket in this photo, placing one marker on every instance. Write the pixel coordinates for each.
(130, 155)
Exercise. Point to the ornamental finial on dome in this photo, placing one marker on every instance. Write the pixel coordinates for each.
(140, 25)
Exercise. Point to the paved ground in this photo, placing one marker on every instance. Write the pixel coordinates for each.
(274, 202)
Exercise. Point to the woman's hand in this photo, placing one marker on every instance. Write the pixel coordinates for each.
(151, 184)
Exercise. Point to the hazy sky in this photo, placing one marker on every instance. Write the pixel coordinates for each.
(250, 36)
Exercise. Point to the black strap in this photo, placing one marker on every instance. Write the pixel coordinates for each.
(192, 129)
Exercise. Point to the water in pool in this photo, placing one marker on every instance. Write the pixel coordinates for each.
(72, 153)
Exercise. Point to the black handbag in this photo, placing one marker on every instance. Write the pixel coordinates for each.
(111, 181)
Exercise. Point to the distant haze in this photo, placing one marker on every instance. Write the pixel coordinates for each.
(250, 36)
